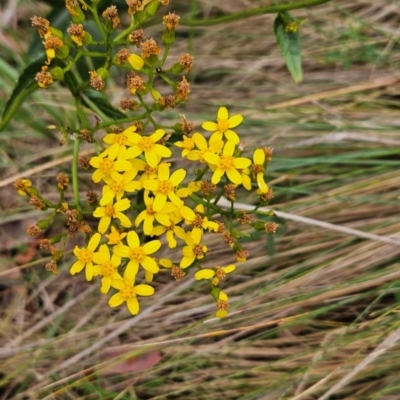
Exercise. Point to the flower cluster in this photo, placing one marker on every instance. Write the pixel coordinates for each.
(167, 209)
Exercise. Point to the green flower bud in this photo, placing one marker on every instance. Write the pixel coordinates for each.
(57, 73)
(55, 239)
(79, 17)
(215, 291)
(56, 32)
(103, 73)
(152, 8)
(168, 36)
(62, 52)
(155, 94)
(43, 224)
(87, 39)
(177, 68)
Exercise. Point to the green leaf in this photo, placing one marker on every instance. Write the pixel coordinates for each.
(26, 85)
(102, 103)
(289, 44)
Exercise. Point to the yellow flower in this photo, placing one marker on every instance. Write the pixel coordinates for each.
(193, 251)
(127, 293)
(165, 186)
(116, 189)
(113, 211)
(199, 223)
(222, 305)
(108, 168)
(258, 169)
(107, 267)
(85, 257)
(22, 186)
(172, 228)
(227, 164)
(223, 126)
(217, 273)
(187, 145)
(246, 181)
(153, 152)
(201, 144)
(118, 143)
(138, 255)
(115, 237)
(148, 215)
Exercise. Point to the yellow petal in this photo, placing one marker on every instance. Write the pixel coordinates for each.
(229, 268)
(152, 246)
(229, 148)
(133, 305)
(241, 162)
(259, 156)
(222, 113)
(163, 172)
(133, 240)
(94, 241)
(177, 177)
(235, 120)
(150, 265)
(209, 126)
(232, 136)
(144, 290)
(234, 176)
(136, 61)
(204, 274)
(116, 300)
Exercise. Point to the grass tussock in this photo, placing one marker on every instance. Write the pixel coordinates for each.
(314, 311)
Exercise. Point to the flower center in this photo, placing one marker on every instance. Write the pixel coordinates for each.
(257, 168)
(114, 238)
(221, 305)
(117, 188)
(199, 251)
(223, 124)
(120, 139)
(198, 221)
(106, 166)
(165, 187)
(137, 255)
(146, 144)
(149, 210)
(127, 292)
(188, 143)
(226, 162)
(85, 255)
(219, 272)
(108, 269)
(109, 210)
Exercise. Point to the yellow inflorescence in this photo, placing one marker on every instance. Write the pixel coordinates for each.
(133, 162)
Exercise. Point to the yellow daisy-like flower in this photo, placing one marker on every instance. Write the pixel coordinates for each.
(148, 215)
(223, 126)
(165, 186)
(187, 144)
(199, 223)
(204, 148)
(193, 251)
(108, 168)
(118, 143)
(138, 255)
(127, 293)
(116, 189)
(112, 211)
(171, 228)
(115, 237)
(258, 169)
(222, 305)
(153, 152)
(227, 164)
(85, 257)
(107, 267)
(217, 273)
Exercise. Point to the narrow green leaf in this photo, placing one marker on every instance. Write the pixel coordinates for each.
(289, 44)
(101, 103)
(26, 85)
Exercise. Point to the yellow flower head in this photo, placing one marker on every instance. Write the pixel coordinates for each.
(148, 215)
(153, 152)
(118, 143)
(113, 211)
(127, 293)
(193, 250)
(203, 148)
(85, 257)
(258, 169)
(107, 267)
(116, 189)
(138, 255)
(223, 126)
(227, 164)
(187, 144)
(115, 237)
(171, 228)
(165, 186)
(108, 168)
(222, 305)
(217, 273)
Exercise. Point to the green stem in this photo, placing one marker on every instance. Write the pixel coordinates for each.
(98, 23)
(253, 12)
(75, 182)
(94, 54)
